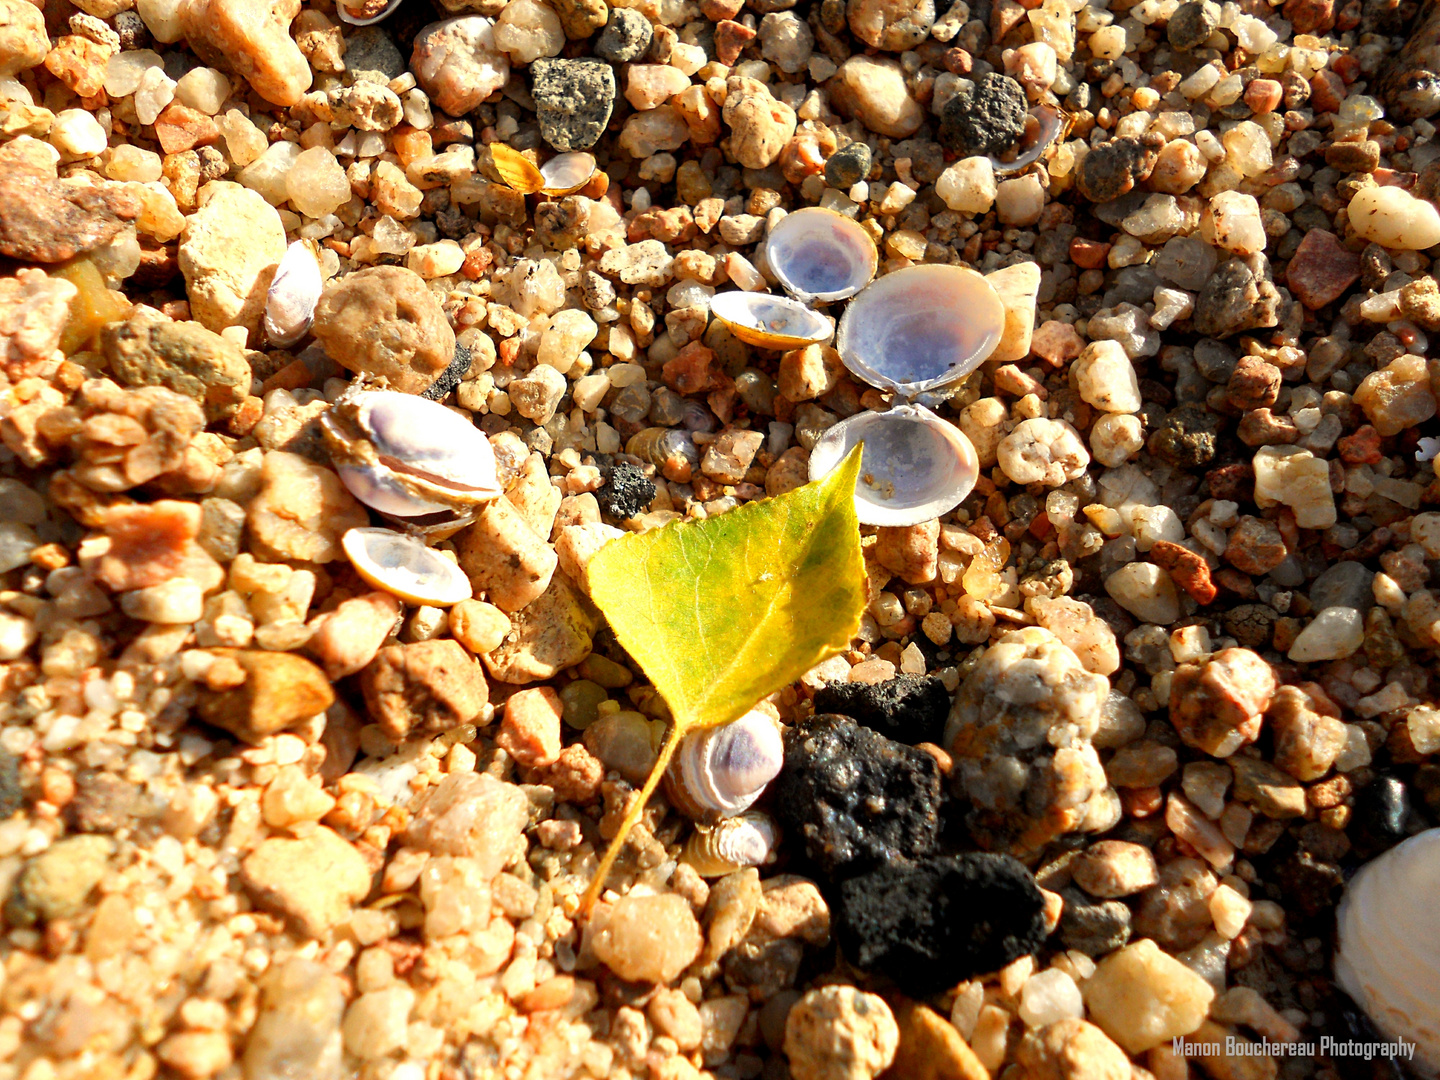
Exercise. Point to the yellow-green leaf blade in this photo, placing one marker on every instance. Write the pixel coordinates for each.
(722, 612)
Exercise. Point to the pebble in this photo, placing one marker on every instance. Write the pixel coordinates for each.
(573, 101)
(231, 248)
(458, 63)
(298, 1022)
(56, 883)
(315, 880)
(931, 1048)
(872, 89)
(840, 1033)
(47, 220)
(626, 36)
(848, 166)
(151, 350)
(760, 125)
(1050, 997)
(470, 815)
(423, 688)
(1335, 633)
(1397, 396)
(908, 708)
(1072, 1048)
(1111, 869)
(1114, 168)
(1106, 379)
(252, 39)
(384, 321)
(279, 690)
(1043, 451)
(649, 939)
(530, 730)
(1192, 23)
(1146, 591)
(1142, 997)
(301, 510)
(23, 43)
(1393, 218)
(987, 120)
(1017, 286)
(968, 186)
(1219, 706)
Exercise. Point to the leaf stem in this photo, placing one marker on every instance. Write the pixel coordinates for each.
(597, 883)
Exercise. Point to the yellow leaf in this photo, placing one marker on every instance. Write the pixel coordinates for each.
(516, 169)
(722, 612)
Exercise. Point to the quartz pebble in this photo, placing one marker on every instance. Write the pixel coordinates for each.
(838, 1031)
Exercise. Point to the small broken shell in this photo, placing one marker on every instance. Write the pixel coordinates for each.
(769, 321)
(915, 465)
(733, 844)
(565, 173)
(817, 254)
(518, 171)
(366, 12)
(294, 292)
(1388, 950)
(921, 328)
(1050, 123)
(720, 772)
(408, 457)
(670, 450)
(404, 566)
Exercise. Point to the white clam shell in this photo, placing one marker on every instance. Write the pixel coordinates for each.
(749, 839)
(346, 17)
(404, 566)
(915, 465)
(818, 254)
(294, 292)
(720, 772)
(567, 172)
(769, 321)
(920, 328)
(1388, 955)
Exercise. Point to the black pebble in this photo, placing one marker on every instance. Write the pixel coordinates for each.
(10, 794)
(846, 168)
(1094, 928)
(1381, 808)
(451, 376)
(625, 493)
(928, 925)
(856, 798)
(908, 708)
(988, 120)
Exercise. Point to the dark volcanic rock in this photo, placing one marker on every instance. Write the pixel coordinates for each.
(856, 798)
(451, 377)
(848, 166)
(931, 923)
(907, 708)
(1115, 167)
(987, 120)
(625, 493)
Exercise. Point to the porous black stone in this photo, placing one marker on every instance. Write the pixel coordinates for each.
(625, 493)
(450, 378)
(10, 794)
(854, 798)
(848, 166)
(908, 708)
(929, 924)
(1192, 24)
(986, 120)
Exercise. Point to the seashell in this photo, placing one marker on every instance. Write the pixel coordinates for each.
(566, 173)
(408, 457)
(1050, 123)
(817, 254)
(518, 171)
(294, 292)
(348, 14)
(404, 566)
(671, 451)
(771, 322)
(695, 417)
(750, 839)
(920, 328)
(915, 465)
(1388, 952)
(720, 772)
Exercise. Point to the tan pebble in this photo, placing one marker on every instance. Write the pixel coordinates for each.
(530, 731)
(423, 688)
(1142, 997)
(505, 557)
(479, 626)
(647, 938)
(315, 880)
(196, 1054)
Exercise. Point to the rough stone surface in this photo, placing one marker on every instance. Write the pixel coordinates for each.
(1219, 706)
(229, 253)
(47, 220)
(988, 120)
(423, 688)
(385, 321)
(149, 349)
(279, 689)
(908, 708)
(315, 880)
(573, 101)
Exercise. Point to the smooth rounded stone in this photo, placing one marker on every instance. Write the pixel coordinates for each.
(280, 689)
(1398, 396)
(56, 883)
(203, 89)
(908, 708)
(1049, 997)
(77, 134)
(1111, 869)
(649, 85)
(986, 120)
(172, 603)
(315, 881)
(915, 921)
(968, 185)
(1018, 288)
(649, 939)
(151, 350)
(23, 42)
(1345, 584)
(573, 101)
(252, 39)
(840, 1033)
(848, 166)
(1142, 997)
(872, 89)
(376, 1023)
(1335, 633)
(316, 183)
(1231, 221)
(229, 253)
(527, 30)
(297, 1028)
(1146, 591)
(458, 63)
(760, 126)
(626, 36)
(1394, 218)
(891, 25)
(1042, 451)
(385, 321)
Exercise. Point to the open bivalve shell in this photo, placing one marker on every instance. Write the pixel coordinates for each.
(769, 321)
(294, 292)
(915, 465)
(749, 839)
(365, 12)
(408, 457)
(817, 254)
(1388, 950)
(720, 772)
(565, 173)
(921, 328)
(404, 566)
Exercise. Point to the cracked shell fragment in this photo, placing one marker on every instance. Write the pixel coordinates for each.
(770, 322)
(404, 566)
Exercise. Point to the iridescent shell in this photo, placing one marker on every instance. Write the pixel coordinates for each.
(294, 292)
(749, 839)
(384, 12)
(920, 328)
(1388, 950)
(720, 772)
(566, 173)
(915, 465)
(769, 321)
(817, 254)
(404, 566)
(408, 457)
(670, 450)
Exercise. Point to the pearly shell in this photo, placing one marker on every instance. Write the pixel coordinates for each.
(720, 772)
(920, 328)
(408, 457)
(566, 173)
(817, 254)
(385, 12)
(404, 566)
(294, 292)
(670, 450)
(750, 839)
(770, 322)
(915, 466)
(1388, 952)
